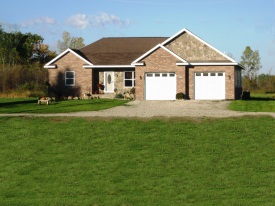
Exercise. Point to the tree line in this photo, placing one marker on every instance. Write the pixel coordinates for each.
(22, 57)
(251, 80)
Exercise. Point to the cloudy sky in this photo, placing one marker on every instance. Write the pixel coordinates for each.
(228, 25)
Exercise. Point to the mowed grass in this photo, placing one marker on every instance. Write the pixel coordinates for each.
(89, 161)
(259, 102)
(29, 105)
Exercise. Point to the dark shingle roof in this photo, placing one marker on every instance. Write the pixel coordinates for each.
(119, 51)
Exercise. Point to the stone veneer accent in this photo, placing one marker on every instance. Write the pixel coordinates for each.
(159, 61)
(118, 78)
(193, 50)
(83, 77)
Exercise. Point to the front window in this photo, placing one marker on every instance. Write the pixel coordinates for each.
(69, 78)
(129, 79)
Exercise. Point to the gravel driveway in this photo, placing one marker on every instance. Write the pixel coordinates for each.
(178, 108)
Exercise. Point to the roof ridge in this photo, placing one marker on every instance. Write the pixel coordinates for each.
(134, 37)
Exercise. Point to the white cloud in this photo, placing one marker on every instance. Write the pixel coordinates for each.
(79, 20)
(39, 20)
(83, 21)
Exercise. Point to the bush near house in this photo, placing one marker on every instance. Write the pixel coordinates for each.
(180, 95)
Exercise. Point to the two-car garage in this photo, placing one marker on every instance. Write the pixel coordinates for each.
(163, 86)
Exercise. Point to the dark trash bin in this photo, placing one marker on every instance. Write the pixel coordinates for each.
(246, 95)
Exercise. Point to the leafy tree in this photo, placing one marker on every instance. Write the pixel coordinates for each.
(18, 48)
(251, 61)
(21, 56)
(69, 42)
(41, 53)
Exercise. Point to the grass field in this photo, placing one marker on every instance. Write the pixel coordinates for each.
(29, 105)
(263, 95)
(89, 161)
(259, 102)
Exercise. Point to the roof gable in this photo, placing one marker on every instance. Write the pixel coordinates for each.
(192, 48)
(153, 50)
(75, 52)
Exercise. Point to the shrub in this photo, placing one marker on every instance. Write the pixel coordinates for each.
(119, 96)
(132, 90)
(180, 95)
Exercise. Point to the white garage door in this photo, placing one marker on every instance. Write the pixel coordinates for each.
(160, 86)
(209, 85)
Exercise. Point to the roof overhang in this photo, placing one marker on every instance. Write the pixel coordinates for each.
(214, 63)
(107, 66)
(50, 65)
(138, 64)
(210, 64)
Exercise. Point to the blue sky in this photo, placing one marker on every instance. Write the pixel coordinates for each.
(228, 25)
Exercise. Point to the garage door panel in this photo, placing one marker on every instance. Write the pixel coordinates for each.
(160, 86)
(210, 86)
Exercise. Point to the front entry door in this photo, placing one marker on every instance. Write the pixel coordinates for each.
(109, 81)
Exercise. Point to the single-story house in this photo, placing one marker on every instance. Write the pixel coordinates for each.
(157, 67)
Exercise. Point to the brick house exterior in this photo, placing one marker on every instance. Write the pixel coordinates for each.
(122, 63)
(159, 61)
(70, 62)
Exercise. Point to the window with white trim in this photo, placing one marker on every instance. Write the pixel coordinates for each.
(69, 78)
(129, 79)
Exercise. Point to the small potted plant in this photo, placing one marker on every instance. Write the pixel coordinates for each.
(100, 87)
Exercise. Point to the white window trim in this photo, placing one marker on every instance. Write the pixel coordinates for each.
(133, 79)
(69, 78)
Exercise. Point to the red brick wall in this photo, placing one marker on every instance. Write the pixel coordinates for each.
(83, 77)
(159, 61)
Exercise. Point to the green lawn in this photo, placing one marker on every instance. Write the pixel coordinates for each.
(90, 161)
(263, 95)
(29, 105)
(259, 102)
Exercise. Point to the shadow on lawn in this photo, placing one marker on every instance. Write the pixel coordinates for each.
(268, 96)
(5, 104)
(259, 99)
